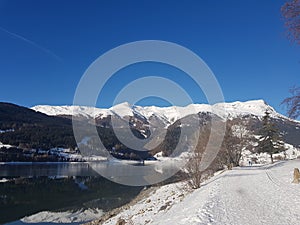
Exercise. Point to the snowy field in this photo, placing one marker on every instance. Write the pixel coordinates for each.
(247, 195)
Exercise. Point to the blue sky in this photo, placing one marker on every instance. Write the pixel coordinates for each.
(46, 46)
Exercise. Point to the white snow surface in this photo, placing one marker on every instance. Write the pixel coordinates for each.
(67, 217)
(167, 114)
(264, 158)
(261, 195)
(71, 110)
(5, 146)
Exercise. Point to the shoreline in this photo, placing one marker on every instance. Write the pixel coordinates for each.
(38, 163)
(79, 162)
(145, 193)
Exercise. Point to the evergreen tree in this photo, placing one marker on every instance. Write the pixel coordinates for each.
(270, 139)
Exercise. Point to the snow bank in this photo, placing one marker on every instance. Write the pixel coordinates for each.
(148, 209)
(5, 146)
(264, 158)
(77, 217)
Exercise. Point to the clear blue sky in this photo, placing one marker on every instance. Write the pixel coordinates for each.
(45, 46)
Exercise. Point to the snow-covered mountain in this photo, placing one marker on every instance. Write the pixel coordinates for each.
(21, 126)
(167, 115)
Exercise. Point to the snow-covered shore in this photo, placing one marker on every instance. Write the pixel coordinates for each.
(67, 217)
(245, 195)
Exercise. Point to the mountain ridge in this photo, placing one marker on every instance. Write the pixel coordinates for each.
(166, 114)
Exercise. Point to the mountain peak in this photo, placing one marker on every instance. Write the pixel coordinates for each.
(122, 109)
(251, 107)
(121, 105)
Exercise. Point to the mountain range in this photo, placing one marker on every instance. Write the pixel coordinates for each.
(46, 127)
(165, 115)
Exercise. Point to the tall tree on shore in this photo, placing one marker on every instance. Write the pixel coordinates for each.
(270, 139)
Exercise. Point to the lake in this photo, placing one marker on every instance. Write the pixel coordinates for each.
(46, 169)
(35, 187)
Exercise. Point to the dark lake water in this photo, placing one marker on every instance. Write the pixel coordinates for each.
(36, 187)
(46, 169)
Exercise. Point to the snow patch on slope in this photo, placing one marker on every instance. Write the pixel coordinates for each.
(67, 217)
(5, 145)
(70, 110)
(122, 110)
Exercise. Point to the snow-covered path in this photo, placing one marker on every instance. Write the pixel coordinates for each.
(256, 195)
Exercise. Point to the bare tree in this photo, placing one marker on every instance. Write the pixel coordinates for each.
(193, 167)
(293, 103)
(237, 138)
(291, 14)
(229, 146)
(193, 170)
